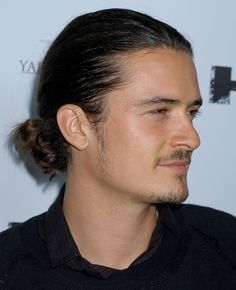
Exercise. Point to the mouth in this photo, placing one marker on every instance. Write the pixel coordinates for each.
(180, 166)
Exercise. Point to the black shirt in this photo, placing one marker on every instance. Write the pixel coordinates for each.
(63, 250)
(197, 251)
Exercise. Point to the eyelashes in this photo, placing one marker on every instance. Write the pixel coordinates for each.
(164, 111)
(195, 113)
(158, 111)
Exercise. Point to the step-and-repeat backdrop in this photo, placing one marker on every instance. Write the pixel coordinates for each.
(27, 28)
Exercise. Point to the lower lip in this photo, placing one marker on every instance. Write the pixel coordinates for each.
(180, 169)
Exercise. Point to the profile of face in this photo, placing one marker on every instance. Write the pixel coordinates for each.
(148, 135)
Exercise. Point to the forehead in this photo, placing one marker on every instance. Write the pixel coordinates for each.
(160, 72)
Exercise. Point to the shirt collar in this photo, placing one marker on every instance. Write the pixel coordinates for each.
(55, 231)
(168, 218)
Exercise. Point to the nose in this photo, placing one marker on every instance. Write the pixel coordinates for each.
(184, 135)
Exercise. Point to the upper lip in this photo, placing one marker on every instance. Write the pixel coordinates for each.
(176, 163)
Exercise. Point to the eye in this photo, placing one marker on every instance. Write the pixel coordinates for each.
(159, 111)
(194, 113)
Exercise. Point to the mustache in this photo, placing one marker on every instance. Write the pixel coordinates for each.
(174, 156)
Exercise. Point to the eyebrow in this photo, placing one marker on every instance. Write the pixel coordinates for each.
(165, 100)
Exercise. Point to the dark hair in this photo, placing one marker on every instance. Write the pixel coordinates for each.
(81, 67)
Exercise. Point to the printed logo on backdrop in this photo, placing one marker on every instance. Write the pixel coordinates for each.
(221, 85)
(28, 66)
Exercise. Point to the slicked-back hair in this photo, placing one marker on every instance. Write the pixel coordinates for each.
(81, 67)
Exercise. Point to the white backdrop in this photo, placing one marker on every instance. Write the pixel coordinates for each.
(27, 27)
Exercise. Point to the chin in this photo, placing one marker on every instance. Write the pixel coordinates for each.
(170, 197)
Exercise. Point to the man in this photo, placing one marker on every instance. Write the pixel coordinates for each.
(117, 96)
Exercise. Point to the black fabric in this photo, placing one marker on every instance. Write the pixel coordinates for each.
(197, 251)
(62, 248)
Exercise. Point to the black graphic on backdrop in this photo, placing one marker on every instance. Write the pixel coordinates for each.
(12, 224)
(221, 85)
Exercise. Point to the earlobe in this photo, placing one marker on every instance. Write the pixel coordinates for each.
(74, 125)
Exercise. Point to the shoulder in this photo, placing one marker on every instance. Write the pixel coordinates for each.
(211, 220)
(11, 245)
(13, 241)
(13, 250)
(214, 228)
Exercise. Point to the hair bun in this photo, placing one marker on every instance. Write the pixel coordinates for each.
(39, 138)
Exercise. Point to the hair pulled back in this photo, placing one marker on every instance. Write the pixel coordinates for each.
(80, 68)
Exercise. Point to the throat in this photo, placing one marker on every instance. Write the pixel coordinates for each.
(108, 239)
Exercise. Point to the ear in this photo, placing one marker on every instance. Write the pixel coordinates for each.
(74, 126)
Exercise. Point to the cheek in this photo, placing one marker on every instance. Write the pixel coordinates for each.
(135, 141)
(151, 134)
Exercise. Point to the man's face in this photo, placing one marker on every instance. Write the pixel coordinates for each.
(149, 134)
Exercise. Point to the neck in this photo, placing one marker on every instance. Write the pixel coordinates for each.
(107, 231)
